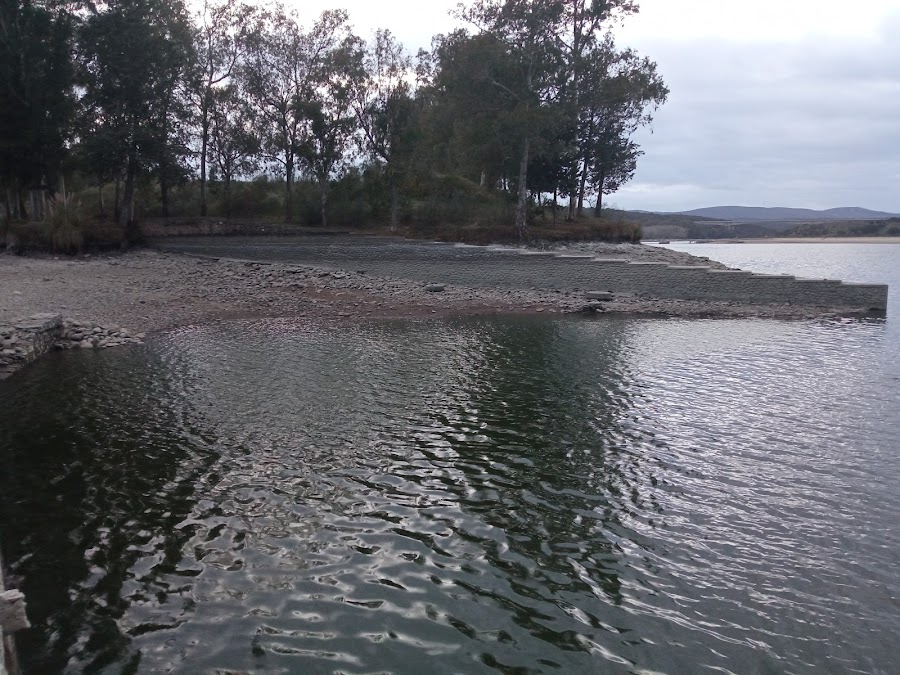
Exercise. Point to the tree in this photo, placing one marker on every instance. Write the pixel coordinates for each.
(329, 115)
(279, 73)
(613, 165)
(218, 39)
(234, 143)
(623, 92)
(384, 107)
(580, 34)
(38, 105)
(134, 54)
(526, 29)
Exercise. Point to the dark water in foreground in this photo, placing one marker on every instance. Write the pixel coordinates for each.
(461, 496)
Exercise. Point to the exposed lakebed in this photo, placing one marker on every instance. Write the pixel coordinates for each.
(460, 495)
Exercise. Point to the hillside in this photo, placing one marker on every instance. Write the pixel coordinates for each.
(755, 213)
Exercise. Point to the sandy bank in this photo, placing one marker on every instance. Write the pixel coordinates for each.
(149, 291)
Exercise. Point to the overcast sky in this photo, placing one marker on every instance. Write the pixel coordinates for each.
(773, 103)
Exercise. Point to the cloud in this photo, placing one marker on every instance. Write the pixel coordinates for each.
(811, 122)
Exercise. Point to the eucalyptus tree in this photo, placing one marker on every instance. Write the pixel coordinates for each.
(469, 117)
(384, 108)
(331, 123)
(133, 59)
(613, 165)
(37, 102)
(234, 142)
(280, 73)
(526, 30)
(219, 29)
(583, 37)
(622, 93)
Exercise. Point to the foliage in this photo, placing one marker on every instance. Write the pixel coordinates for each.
(170, 113)
(64, 218)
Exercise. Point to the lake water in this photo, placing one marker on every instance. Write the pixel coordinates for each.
(514, 495)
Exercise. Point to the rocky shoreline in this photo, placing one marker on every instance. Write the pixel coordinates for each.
(150, 291)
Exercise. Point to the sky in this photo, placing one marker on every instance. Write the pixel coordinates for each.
(773, 102)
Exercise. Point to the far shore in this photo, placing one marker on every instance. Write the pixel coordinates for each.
(799, 240)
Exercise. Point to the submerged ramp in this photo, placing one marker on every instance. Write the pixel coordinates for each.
(514, 268)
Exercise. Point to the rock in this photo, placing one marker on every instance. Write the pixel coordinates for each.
(435, 288)
(12, 612)
(600, 296)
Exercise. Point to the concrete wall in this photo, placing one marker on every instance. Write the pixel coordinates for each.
(504, 268)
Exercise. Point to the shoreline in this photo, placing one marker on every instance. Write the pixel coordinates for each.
(147, 291)
(797, 240)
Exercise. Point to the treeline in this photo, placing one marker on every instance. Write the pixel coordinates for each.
(701, 229)
(532, 104)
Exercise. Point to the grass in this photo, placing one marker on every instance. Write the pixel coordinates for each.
(65, 224)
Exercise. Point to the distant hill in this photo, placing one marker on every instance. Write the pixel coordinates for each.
(755, 213)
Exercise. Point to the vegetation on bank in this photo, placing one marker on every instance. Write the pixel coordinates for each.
(659, 226)
(448, 208)
(126, 109)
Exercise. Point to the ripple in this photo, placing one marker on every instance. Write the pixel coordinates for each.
(515, 495)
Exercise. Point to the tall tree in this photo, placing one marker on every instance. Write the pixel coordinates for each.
(133, 56)
(219, 29)
(329, 116)
(280, 72)
(527, 30)
(38, 103)
(623, 92)
(580, 34)
(384, 108)
(234, 143)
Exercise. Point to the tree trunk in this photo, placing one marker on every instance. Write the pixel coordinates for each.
(227, 195)
(117, 207)
(598, 210)
(394, 217)
(126, 210)
(586, 159)
(164, 191)
(323, 189)
(18, 204)
(8, 207)
(204, 148)
(289, 190)
(522, 202)
(555, 198)
(20, 199)
(584, 172)
(102, 206)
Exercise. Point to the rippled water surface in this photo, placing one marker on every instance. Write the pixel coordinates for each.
(460, 496)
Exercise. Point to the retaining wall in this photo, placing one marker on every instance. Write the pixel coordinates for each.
(504, 268)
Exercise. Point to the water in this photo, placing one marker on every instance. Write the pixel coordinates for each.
(471, 495)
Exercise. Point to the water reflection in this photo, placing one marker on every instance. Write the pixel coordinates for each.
(513, 495)
(94, 480)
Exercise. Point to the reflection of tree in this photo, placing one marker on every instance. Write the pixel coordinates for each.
(553, 464)
(100, 463)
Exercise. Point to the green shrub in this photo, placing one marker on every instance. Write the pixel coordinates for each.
(64, 218)
(21, 236)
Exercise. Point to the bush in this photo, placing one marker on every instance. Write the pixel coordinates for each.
(27, 235)
(66, 230)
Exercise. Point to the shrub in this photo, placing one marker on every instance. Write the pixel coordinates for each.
(64, 219)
